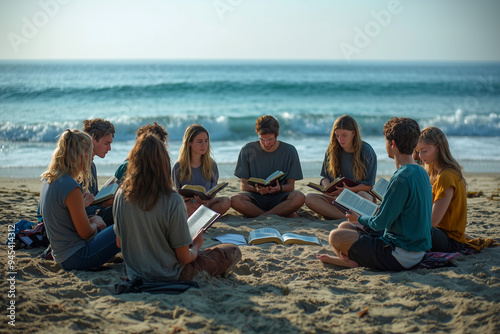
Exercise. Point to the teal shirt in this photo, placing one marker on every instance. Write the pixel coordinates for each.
(405, 213)
(120, 171)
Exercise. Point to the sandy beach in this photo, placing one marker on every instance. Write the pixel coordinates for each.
(274, 289)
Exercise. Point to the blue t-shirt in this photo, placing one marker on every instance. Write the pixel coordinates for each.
(368, 157)
(405, 213)
(61, 231)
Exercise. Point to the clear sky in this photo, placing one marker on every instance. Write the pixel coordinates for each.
(443, 30)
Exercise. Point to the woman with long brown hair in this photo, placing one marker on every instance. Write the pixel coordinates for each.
(346, 156)
(195, 166)
(151, 222)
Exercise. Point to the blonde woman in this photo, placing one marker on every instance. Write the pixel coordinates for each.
(449, 197)
(195, 166)
(78, 241)
(346, 156)
(151, 222)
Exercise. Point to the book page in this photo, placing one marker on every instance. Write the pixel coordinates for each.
(273, 175)
(105, 193)
(231, 238)
(200, 219)
(380, 187)
(357, 203)
(109, 181)
(306, 239)
(316, 186)
(264, 233)
(217, 188)
(192, 187)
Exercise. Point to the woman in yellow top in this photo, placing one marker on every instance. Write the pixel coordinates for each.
(449, 198)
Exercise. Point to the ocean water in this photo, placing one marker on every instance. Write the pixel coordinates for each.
(40, 99)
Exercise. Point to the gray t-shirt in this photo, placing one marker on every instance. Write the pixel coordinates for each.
(253, 161)
(368, 157)
(61, 231)
(148, 238)
(196, 177)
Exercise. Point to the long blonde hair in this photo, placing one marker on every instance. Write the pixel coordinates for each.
(334, 150)
(72, 156)
(184, 172)
(444, 160)
(148, 172)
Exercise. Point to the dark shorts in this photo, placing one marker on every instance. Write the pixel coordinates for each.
(442, 243)
(372, 252)
(268, 201)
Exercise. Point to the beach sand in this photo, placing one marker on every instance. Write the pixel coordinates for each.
(274, 289)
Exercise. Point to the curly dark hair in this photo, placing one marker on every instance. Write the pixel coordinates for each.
(404, 131)
(98, 128)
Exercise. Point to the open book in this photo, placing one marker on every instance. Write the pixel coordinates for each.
(201, 220)
(269, 181)
(105, 193)
(349, 200)
(263, 235)
(189, 190)
(338, 182)
(380, 188)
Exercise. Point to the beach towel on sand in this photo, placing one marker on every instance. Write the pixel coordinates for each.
(433, 260)
(169, 288)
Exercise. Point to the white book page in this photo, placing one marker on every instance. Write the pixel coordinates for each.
(353, 201)
(264, 233)
(200, 218)
(380, 187)
(287, 236)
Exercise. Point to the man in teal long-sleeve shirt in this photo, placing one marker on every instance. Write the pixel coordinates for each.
(404, 216)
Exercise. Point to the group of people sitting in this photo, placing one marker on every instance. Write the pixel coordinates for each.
(424, 209)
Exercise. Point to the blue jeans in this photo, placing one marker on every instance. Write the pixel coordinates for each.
(99, 250)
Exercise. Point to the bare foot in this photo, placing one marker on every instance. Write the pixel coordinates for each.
(338, 261)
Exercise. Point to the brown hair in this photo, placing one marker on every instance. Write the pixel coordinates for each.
(404, 131)
(435, 137)
(98, 128)
(334, 150)
(155, 129)
(267, 125)
(184, 172)
(148, 172)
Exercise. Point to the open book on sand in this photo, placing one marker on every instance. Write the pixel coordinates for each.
(380, 188)
(349, 200)
(338, 182)
(105, 193)
(269, 181)
(263, 235)
(189, 190)
(201, 220)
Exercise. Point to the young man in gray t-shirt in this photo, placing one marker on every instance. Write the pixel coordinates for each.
(260, 159)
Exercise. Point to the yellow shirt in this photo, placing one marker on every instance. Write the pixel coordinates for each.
(455, 217)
